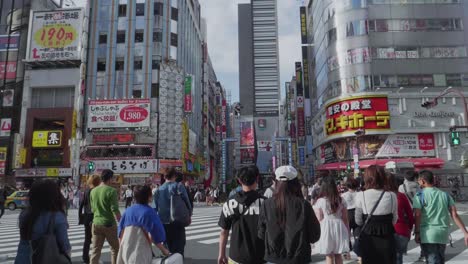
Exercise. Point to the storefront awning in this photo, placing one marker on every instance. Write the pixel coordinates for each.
(419, 163)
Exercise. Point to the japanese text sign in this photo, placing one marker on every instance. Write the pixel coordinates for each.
(7, 70)
(128, 166)
(5, 127)
(408, 145)
(345, 116)
(47, 139)
(188, 94)
(56, 35)
(124, 113)
(10, 43)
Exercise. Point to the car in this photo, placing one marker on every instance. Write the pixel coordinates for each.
(18, 199)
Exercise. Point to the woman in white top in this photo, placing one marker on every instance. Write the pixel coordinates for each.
(377, 238)
(331, 211)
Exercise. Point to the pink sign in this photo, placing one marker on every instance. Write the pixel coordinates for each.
(7, 70)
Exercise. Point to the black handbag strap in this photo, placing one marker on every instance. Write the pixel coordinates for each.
(372, 212)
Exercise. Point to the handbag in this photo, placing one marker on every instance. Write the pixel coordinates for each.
(175, 258)
(357, 244)
(46, 249)
(179, 210)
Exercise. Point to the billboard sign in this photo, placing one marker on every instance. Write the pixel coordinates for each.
(128, 166)
(5, 127)
(125, 113)
(56, 35)
(9, 42)
(264, 145)
(188, 94)
(346, 115)
(7, 70)
(247, 134)
(247, 156)
(113, 138)
(408, 145)
(3, 155)
(8, 96)
(303, 25)
(47, 139)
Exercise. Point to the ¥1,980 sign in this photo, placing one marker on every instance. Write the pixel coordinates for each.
(346, 115)
(126, 113)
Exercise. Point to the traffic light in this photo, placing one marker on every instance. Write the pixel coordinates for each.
(91, 166)
(348, 166)
(455, 138)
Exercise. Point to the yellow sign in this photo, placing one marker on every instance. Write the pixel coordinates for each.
(3, 153)
(55, 36)
(47, 139)
(23, 152)
(73, 133)
(52, 172)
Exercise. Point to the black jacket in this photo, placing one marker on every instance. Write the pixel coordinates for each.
(85, 214)
(291, 245)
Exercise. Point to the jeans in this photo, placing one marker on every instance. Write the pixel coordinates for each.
(175, 238)
(101, 233)
(2, 209)
(435, 253)
(87, 243)
(401, 246)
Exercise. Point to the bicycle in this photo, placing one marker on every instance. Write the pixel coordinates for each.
(455, 190)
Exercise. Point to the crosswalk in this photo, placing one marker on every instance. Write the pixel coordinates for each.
(203, 230)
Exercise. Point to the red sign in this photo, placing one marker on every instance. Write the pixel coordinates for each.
(247, 134)
(133, 114)
(188, 103)
(345, 116)
(426, 141)
(10, 69)
(113, 138)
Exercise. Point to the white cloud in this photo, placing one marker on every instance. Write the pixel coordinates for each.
(222, 27)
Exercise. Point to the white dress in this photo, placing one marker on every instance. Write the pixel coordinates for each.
(334, 237)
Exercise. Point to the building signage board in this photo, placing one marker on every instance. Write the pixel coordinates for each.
(9, 42)
(188, 94)
(305, 70)
(264, 145)
(247, 156)
(192, 144)
(47, 139)
(223, 119)
(5, 127)
(301, 153)
(164, 164)
(128, 166)
(56, 35)
(247, 134)
(125, 113)
(3, 155)
(8, 97)
(44, 172)
(303, 24)
(408, 145)
(7, 70)
(113, 138)
(345, 116)
(301, 130)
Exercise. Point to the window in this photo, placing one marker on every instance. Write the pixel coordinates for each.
(157, 36)
(140, 9)
(155, 90)
(453, 79)
(174, 39)
(155, 64)
(174, 14)
(158, 9)
(138, 64)
(139, 36)
(103, 38)
(119, 65)
(136, 93)
(101, 66)
(121, 36)
(52, 97)
(122, 10)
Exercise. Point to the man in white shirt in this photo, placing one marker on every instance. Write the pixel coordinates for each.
(128, 196)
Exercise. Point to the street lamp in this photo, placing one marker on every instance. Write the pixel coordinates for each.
(434, 102)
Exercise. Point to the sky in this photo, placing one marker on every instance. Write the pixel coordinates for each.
(221, 19)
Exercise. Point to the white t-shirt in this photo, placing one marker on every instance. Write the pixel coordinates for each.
(366, 200)
(128, 193)
(350, 199)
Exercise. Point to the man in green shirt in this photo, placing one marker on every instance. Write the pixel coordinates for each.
(105, 206)
(433, 210)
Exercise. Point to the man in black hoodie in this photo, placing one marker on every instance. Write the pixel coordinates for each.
(240, 214)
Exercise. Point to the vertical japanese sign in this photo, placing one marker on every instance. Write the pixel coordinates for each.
(223, 119)
(3, 155)
(345, 116)
(247, 134)
(56, 35)
(303, 14)
(300, 105)
(7, 70)
(305, 71)
(188, 94)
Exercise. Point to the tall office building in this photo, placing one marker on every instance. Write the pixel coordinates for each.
(372, 64)
(259, 79)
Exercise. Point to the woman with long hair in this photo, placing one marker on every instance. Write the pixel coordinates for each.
(331, 211)
(46, 205)
(377, 237)
(287, 223)
(405, 221)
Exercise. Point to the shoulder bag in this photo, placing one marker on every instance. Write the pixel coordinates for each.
(46, 249)
(179, 210)
(357, 244)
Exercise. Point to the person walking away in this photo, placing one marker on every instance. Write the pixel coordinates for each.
(198, 196)
(287, 223)
(216, 195)
(316, 192)
(377, 238)
(240, 217)
(139, 227)
(433, 210)
(405, 222)
(270, 190)
(349, 198)
(331, 211)
(105, 206)
(85, 215)
(46, 206)
(175, 232)
(128, 196)
(3, 197)
(208, 196)
(410, 186)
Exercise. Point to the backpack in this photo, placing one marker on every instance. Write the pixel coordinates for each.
(179, 209)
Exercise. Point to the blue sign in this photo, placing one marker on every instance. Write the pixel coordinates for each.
(9, 44)
(301, 156)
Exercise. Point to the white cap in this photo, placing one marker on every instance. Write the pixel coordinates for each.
(285, 173)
